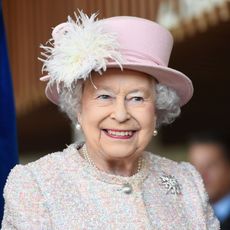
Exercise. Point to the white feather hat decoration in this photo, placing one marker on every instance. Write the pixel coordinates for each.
(76, 49)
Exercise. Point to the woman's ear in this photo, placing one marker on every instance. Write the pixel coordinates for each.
(155, 121)
(79, 118)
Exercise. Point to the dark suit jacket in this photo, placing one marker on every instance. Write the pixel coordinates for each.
(226, 224)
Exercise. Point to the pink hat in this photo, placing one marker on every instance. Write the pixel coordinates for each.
(145, 46)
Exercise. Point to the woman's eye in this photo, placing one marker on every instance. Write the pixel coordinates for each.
(104, 96)
(137, 99)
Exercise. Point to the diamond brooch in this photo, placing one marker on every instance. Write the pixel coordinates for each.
(171, 184)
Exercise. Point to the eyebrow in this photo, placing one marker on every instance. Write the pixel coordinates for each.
(105, 89)
(138, 90)
(141, 89)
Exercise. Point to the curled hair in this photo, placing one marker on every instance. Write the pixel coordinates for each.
(167, 103)
(70, 101)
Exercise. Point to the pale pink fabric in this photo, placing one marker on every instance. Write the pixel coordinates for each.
(62, 191)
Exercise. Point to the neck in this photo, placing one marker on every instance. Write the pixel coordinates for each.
(121, 168)
(117, 167)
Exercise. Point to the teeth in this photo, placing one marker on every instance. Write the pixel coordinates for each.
(116, 133)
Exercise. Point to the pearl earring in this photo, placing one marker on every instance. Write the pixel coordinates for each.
(78, 126)
(155, 132)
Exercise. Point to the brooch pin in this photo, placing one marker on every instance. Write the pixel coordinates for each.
(171, 184)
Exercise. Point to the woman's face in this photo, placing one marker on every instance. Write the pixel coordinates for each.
(118, 114)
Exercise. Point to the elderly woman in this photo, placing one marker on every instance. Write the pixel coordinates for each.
(111, 77)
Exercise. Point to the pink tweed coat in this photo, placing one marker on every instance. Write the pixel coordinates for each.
(62, 191)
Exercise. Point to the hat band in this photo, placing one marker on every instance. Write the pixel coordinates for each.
(138, 57)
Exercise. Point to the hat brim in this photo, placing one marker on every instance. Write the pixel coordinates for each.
(164, 75)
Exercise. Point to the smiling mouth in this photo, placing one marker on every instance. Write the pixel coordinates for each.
(119, 134)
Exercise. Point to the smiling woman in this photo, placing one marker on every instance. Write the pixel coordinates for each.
(111, 78)
(112, 118)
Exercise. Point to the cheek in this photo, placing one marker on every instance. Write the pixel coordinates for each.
(92, 116)
(90, 123)
(147, 120)
(215, 177)
(148, 117)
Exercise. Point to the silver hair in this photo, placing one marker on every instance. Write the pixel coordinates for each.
(167, 103)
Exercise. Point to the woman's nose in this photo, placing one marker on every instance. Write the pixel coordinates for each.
(120, 112)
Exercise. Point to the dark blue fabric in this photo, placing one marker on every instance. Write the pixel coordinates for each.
(8, 136)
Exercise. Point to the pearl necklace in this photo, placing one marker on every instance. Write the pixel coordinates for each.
(86, 156)
(127, 188)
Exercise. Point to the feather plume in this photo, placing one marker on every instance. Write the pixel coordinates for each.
(77, 48)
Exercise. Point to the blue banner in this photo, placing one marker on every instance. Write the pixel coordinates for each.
(8, 136)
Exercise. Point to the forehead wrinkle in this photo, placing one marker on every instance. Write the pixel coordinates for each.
(141, 89)
(105, 88)
(120, 86)
(132, 91)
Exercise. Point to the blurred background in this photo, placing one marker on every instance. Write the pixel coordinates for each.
(201, 30)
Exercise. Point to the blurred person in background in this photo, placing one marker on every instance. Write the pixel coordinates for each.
(112, 78)
(210, 154)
